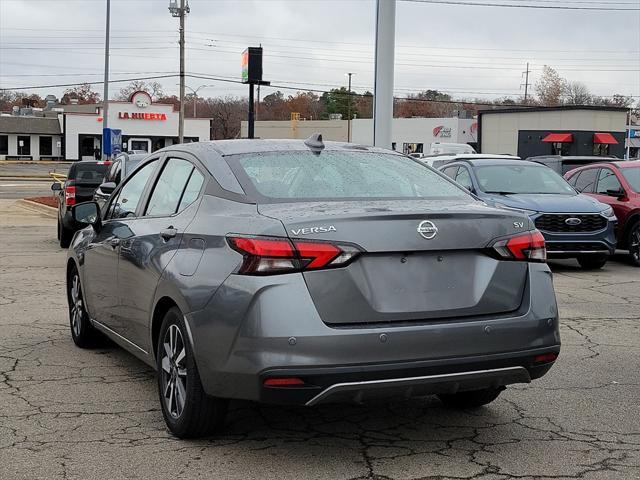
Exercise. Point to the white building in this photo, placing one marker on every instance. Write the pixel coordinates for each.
(145, 126)
(30, 138)
(409, 135)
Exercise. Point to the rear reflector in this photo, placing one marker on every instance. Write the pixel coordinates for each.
(283, 382)
(70, 195)
(528, 247)
(545, 358)
(271, 255)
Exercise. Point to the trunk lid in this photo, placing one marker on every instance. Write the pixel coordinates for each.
(404, 276)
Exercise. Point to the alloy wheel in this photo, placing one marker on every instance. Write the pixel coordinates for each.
(76, 306)
(174, 371)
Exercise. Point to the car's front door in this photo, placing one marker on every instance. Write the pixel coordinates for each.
(102, 258)
(155, 238)
(605, 191)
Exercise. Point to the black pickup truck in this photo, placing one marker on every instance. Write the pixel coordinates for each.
(83, 179)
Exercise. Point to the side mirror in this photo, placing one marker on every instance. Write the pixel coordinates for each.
(56, 186)
(616, 193)
(87, 213)
(108, 187)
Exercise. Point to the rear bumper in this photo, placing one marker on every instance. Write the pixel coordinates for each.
(255, 328)
(362, 383)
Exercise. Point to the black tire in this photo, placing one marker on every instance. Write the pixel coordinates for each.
(471, 399)
(178, 376)
(592, 262)
(633, 244)
(82, 332)
(65, 236)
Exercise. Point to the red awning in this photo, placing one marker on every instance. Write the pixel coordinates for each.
(558, 138)
(605, 138)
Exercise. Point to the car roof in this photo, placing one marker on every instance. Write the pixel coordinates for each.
(559, 158)
(477, 156)
(244, 146)
(617, 164)
(499, 161)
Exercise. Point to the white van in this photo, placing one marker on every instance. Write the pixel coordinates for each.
(438, 148)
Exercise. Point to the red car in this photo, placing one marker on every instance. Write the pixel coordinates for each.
(617, 184)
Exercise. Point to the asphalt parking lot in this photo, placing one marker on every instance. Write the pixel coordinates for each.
(83, 414)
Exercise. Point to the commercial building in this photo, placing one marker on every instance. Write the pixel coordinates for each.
(409, 135)
(633, 140)
(30, 138)
(75, 131)
(565, 130)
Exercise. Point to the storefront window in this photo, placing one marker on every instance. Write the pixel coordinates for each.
(4, 144)
(24, 145)
(560, 149)
(46, 146)
(600, 149)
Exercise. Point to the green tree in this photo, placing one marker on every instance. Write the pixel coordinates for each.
(337, 101)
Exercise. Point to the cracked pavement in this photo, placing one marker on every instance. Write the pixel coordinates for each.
(67, 413)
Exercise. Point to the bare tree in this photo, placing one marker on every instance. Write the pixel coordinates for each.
(550, 87)
(577, 93)
(152, 88)
(82, 93)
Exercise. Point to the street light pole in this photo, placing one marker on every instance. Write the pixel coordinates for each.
(180, 12)
(349, 109)
(195, 96)
(105, 95)
(384, 67)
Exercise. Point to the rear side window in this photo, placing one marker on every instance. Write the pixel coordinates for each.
(88, 172)
(338, 175)
(464, 178)
(586, 180)
(171, 187)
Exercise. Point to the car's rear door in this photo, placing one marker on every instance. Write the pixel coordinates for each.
(156, 234)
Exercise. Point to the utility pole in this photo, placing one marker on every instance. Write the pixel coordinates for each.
(180, 12)
(349, 109)
(105, 94)
(526, 84)
(384, 68)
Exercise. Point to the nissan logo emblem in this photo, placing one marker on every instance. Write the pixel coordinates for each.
(573, 221)
(427, 229)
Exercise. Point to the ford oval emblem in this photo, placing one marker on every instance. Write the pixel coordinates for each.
(427, 229)
(573, 221)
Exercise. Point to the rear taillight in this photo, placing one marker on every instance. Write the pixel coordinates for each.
(271, 255)
(69, 195)
(528, 247)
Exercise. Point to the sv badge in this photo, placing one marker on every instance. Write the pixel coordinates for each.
(518, 224)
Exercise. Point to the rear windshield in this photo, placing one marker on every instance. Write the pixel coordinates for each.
(513, 179)
(633, 177)
(338, 175)
(88, 172)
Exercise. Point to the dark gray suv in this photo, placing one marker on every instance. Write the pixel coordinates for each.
(301, 273)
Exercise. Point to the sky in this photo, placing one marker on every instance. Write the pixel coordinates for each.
(468, 51)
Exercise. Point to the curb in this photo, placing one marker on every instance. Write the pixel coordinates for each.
(38, 207)
(33, 162)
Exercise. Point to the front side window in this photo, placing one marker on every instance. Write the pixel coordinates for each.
(126, 203)
(338, 175)
(521, 179)
(464, 178)
(632, 175)
(607, 181)
(586, 180)
(169, 188)
(450, 172)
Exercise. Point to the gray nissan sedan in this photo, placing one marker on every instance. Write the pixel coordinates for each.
(305, 272)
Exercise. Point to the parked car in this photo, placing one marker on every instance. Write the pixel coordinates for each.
(563, 164)
(573, 225)
(618, 185)
(439, 160)
(303, 272)
(122, 165)
(82, 180)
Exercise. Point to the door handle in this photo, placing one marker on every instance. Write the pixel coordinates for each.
(114, 242)
(168, 233)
